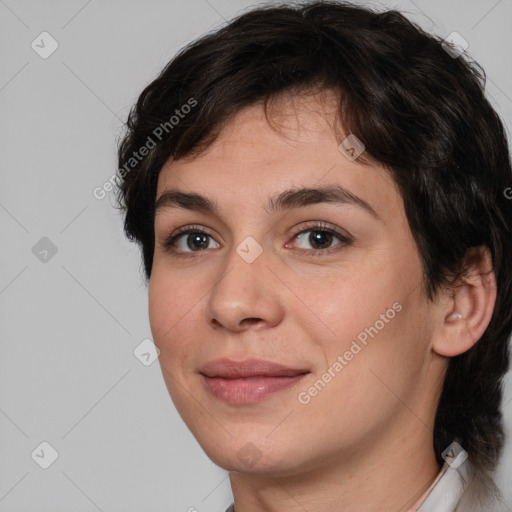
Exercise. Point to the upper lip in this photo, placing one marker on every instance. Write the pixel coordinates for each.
(230, 369)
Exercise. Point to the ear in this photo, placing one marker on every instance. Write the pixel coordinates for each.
(467, 312)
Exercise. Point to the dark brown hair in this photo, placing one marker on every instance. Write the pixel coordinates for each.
(419, 110)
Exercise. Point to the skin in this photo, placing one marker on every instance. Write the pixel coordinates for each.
(365, 441)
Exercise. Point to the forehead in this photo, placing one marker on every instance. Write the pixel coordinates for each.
(258, 155)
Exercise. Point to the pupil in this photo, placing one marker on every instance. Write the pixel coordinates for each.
(197, 241)
(320, 238)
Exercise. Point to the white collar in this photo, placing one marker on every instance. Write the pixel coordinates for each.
(448, 488)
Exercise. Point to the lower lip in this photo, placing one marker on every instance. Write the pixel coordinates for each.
(248, 390)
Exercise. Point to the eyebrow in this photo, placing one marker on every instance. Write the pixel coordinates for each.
(287, 200)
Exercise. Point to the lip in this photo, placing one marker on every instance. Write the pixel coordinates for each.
(248, 381)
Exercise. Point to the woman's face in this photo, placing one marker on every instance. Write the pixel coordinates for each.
(330, 290)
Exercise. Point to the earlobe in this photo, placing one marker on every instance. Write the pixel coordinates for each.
(467, 314)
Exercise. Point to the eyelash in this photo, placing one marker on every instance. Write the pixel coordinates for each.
(168, 243)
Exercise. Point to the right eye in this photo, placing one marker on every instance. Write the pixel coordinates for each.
(191, 239)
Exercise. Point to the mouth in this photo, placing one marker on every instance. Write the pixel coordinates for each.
(248, 381)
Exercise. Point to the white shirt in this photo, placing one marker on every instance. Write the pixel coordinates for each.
(447, 489)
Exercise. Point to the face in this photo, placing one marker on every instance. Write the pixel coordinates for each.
(288, 322)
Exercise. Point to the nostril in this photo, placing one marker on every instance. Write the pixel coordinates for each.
(215, 322)
(250, 321)
(246, 322)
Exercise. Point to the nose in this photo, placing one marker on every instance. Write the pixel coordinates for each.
(245, 295)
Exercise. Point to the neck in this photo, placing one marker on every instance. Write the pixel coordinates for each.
(387, 478)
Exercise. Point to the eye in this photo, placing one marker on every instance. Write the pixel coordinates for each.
(321, 239)
(191, 239)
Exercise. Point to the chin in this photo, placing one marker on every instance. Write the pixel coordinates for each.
(251, 454)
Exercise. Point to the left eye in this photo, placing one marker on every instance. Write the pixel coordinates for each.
(319, 239)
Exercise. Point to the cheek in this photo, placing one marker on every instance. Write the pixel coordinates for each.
(378, 318)
(377, 377)
(169, 311)
(168, 317)
(356, 304)
(159, 305)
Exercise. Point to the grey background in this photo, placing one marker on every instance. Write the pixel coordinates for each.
(68, 375)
